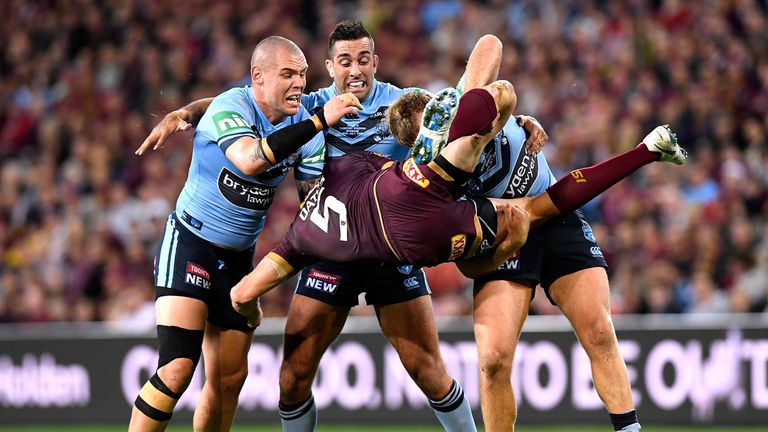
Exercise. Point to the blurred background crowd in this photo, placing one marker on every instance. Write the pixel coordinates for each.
(83, 81)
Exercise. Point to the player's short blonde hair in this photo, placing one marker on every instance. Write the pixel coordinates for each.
(403, 125)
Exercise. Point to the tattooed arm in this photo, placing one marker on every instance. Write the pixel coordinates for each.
(175, 121)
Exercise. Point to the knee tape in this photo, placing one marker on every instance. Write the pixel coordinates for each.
(156, 400)
(176, 342)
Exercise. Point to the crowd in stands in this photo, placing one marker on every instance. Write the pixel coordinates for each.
(82, 83)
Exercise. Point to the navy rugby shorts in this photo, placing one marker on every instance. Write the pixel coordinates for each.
(342, 284)
(560, 247)
(186, 265)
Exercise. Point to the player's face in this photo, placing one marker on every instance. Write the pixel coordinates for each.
(353, 66)
(282, 83)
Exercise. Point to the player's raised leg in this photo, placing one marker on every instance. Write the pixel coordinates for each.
(581, 185)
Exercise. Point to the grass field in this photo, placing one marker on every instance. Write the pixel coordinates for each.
(420, 428)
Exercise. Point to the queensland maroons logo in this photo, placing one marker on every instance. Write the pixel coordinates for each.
(414, 173)
(458, 244)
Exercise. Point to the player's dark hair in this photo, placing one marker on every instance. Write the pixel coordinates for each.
(347, 30)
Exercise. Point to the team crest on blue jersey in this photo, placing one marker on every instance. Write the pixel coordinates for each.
(474, 187)
(405, 269)
(487, 158)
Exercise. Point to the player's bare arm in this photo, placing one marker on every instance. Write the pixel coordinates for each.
(175, 121)
(483, 63)
(511, 234)
(271, 271)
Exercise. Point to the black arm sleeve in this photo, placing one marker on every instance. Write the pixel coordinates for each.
(284, 142)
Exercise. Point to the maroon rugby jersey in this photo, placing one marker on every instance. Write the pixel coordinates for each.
(370, 208)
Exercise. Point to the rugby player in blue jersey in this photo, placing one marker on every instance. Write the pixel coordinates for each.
(562, 255)
(244, 145)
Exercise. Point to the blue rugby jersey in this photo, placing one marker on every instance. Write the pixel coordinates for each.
(369, 130)
(505, 170)
(219, 202)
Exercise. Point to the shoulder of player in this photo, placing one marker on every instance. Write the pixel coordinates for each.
(315, 99)
(237, 99)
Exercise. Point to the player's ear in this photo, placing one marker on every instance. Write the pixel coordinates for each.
(257, 75)
(375, 62)
(329, 68)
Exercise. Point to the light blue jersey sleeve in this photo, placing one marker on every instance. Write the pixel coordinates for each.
(228, 118)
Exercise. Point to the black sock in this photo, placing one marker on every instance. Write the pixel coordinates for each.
(620, 421)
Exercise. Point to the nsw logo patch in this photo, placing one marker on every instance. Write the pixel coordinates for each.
(405, 269)
(588, 233)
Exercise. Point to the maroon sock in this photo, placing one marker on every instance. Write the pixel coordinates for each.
(581, 185)
(476, 113)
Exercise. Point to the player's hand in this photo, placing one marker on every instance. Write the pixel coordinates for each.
(173, 122)
(536, 134)
(515, 222)
(254, 318)
(251, 311)
(339, 106)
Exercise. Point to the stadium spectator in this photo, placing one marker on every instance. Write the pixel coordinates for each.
(63, 65)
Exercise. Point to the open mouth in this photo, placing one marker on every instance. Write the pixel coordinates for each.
(294, 100)
(356, 85)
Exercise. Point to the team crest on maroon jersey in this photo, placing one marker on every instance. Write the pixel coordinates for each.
(458, 244)
(414, 173)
